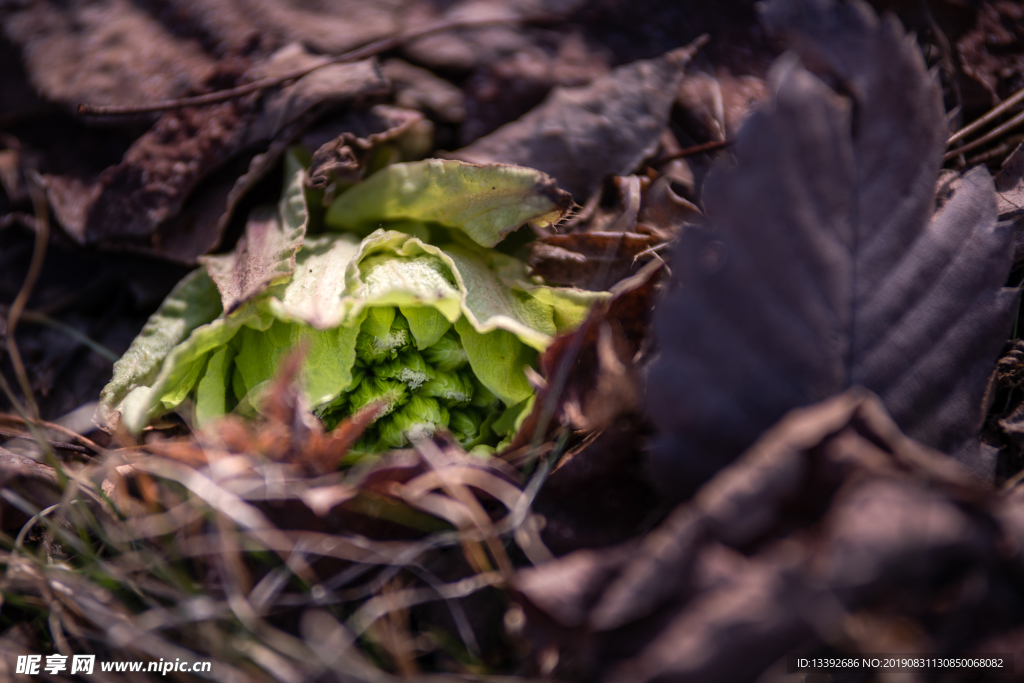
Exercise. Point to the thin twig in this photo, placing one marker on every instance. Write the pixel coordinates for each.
(999, 151)
(11, 434)
(52, 426)
(1013, 100)
(988, 137)
(369, 50)
(651, 250)
(691, 151)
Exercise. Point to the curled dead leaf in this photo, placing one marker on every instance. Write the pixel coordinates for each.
(590, 260)
(581, 135)
(829, 512)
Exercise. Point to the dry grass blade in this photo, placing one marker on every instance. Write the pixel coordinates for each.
(992, 115)
(42, 236)
(383, 604)
(997, 133)
(432, 455)
(213, 518)
(43, 319)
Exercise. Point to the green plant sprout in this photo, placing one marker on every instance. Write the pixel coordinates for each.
(401, 303)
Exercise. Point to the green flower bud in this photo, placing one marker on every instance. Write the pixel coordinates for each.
(382, 335)
(392, 392)
(465, 425)
(408, 368)
(420, 417)
(454, 389)
(358, 375)
(447, 353)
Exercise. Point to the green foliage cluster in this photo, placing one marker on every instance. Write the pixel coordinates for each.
(399, 303)
(417, 391)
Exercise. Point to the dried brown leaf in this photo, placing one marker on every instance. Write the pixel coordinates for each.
(256, 262)
(344, 158)
(138, 202)
(508, 86)
(1009, 184)
(599, 493)
(581, 135)
(466, 48)
(991, 50)
(420, 89)
(597, 359)
(718, 104)
(110, 52)
(826, 268)
(589, 260)
(831, 510)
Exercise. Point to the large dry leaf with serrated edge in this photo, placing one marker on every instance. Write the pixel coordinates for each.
(826, 268)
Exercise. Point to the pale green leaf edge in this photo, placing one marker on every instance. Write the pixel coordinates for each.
(193, 302)
(486, 202)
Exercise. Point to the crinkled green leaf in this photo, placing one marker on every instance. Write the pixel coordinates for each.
(568, 306)
(423, 279)
(180, 369)
(193, 302)
(485, 286)
(316, 293)
(326, 368)
(491, 304)
(486, 202)
(482, 396)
